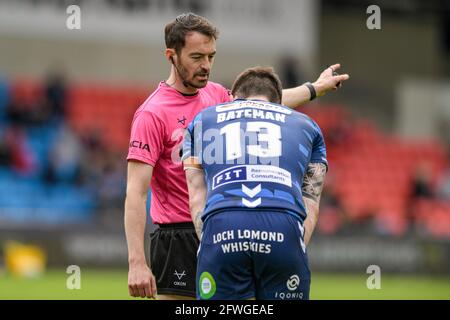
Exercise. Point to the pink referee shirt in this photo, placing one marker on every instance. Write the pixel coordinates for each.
(157, 135)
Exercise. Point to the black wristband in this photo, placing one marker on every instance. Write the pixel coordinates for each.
(311, 90)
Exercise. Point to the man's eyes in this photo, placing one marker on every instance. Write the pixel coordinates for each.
(200, 57)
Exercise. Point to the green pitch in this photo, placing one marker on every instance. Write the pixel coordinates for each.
(107, 284)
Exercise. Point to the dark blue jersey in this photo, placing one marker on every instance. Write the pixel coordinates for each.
(254, 155)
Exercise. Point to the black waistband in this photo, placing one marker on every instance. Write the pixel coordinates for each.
(180, 225)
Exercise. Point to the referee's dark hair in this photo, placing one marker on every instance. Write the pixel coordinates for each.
(175, 32)
(258, 81)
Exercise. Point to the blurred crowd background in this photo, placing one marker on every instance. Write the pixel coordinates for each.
(67, 98)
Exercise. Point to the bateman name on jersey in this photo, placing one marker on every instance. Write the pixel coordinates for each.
(252, 110)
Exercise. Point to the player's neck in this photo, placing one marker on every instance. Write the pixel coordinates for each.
(176, 83)
(263, 98)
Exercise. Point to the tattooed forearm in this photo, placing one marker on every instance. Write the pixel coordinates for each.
(198, 224)
(311, 191)
(313, 181)
(197, 197)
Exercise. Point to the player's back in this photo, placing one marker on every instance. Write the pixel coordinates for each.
(254, 154)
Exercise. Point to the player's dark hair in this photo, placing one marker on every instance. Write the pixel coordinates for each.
(258, 81)
(175, 32)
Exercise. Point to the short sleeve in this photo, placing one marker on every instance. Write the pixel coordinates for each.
(147, 138)
(319, 152)
(192, 140)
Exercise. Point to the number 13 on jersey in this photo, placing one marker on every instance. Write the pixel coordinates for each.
(267, 144)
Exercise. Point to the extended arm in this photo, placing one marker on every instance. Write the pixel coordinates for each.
(295, 97)
(311, 192)
(141, 282)
(195, 178)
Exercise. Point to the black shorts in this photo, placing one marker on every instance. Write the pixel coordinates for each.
(173, 258)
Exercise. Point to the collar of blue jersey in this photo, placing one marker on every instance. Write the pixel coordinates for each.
(242, 99)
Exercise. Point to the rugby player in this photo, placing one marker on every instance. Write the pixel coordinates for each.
(255, 171)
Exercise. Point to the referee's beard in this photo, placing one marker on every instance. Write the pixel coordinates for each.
(198, 80)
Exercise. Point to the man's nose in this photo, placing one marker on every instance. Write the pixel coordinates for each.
(206, 65)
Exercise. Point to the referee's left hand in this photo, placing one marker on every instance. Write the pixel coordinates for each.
(329, 80)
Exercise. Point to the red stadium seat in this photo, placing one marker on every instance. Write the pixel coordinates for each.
(26, 92)
(109, 108)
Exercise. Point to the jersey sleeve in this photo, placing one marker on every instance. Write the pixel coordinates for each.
(319, 153)
(192, 143)
(147, 138)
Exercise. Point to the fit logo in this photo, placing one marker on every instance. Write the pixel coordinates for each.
(374, 281)
(374, 20)
(74, 280)
(73, 21)
(293, 282)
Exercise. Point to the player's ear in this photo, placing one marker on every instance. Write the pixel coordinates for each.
(170, 53)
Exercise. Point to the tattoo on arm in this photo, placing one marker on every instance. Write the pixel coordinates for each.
(198, 224)
(313, 181)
